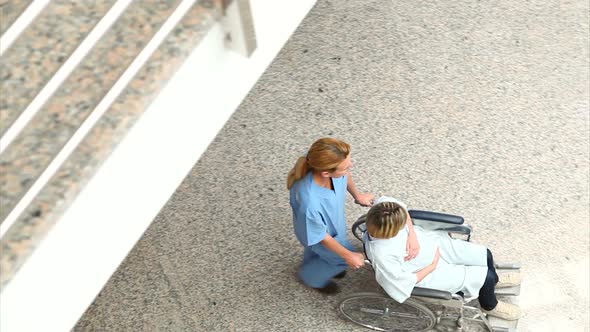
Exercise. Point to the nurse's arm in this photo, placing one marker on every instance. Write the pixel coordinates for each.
(359, 198)
(354, 259)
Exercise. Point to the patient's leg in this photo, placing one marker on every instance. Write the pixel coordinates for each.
(456, 251)
(487, 295)
(454, 278)
(492, 267)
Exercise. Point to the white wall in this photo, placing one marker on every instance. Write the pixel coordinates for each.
(66, 272)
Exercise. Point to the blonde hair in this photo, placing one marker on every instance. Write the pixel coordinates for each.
(384, 220)
(325, 154)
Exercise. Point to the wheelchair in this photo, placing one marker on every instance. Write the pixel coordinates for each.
(426, 309)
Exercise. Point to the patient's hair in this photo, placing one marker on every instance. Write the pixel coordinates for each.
(384, 220)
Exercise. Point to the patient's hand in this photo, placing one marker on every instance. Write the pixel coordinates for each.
(412, 246)
(436, 257)
(420, 275)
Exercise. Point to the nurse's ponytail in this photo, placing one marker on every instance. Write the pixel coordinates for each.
(324, 154)
(301, 168)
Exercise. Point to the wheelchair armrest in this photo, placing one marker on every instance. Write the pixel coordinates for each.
(436, 216)
(431, 293)
(426, 219)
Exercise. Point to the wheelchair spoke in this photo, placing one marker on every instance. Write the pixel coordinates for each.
(381, 312)
(378, 312)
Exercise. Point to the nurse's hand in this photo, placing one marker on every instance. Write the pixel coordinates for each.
(364, 199)
(355, 260)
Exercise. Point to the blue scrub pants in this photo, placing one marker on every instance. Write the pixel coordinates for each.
(321, 264)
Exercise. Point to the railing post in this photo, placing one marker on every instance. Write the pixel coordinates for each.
(239, 26)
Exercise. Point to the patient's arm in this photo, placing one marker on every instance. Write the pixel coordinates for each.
(412, 245)
(420, 275)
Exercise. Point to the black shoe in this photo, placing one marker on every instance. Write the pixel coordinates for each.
(329, 289)
(340, 275)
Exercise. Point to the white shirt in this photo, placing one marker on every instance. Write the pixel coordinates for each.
(462, 265)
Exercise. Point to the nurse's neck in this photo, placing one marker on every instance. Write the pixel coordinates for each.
(322, 181)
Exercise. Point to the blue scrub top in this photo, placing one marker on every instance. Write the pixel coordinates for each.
(318, 210)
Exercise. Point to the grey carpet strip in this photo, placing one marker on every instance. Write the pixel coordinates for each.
(41, 49)
(44, 136)
(63, 187)
(10, 11)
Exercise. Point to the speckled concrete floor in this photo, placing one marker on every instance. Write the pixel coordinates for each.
(477, 108)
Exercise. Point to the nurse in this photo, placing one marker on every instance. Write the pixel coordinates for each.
(443, 263)
(318, 184)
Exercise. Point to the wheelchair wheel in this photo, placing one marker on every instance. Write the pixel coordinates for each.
(382, 313)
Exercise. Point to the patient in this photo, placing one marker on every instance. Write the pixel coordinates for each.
(442, 263)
